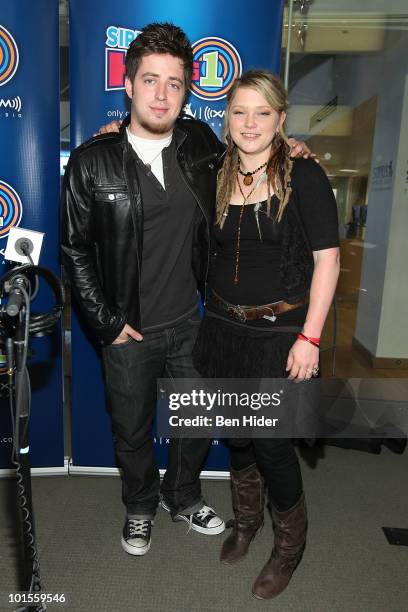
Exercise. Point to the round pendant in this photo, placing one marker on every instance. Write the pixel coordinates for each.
(248, 179)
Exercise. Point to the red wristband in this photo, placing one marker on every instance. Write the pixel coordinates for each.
(314, 341)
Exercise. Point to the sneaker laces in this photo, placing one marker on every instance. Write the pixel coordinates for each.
(204, 512)
(190, 524)
(201, 514)
(138, 527)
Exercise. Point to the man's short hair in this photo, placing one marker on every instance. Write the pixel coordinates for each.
(160, 38)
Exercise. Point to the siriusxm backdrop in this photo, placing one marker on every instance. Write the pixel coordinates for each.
(29, 197)
(224, 42)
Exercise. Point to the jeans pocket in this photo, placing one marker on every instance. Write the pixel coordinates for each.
(121, 345)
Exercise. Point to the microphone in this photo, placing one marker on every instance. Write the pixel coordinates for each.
(16, 300)
(10, 353)
(16, 297)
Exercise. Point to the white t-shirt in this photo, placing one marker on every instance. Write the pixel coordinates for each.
(149, 151)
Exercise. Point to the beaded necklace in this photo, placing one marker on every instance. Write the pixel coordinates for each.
(261, 179)
(249, 176)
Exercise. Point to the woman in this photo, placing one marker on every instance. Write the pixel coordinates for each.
(276, 250)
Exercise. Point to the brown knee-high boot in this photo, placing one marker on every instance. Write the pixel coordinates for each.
(248, 499)
(290, 537)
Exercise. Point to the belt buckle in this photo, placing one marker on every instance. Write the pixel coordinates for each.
(272, 317)
(240, 313)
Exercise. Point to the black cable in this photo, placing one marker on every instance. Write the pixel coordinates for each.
(21, 369)
(23, 405)
(26, 252)
(43, 323)
(20, 398)
(26, 399)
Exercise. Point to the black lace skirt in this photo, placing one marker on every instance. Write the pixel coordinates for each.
(226, 349)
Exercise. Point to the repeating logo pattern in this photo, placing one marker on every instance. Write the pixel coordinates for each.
(8, 56)
(217, 64)
(11, 208)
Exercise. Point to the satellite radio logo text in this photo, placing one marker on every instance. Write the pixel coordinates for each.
(13, 104)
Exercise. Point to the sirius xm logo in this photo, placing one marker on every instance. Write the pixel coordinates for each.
(116, 44)
(10, 107)
(12, 104)
(217, 64)
(11, 208)
(9, 57)
(205, 113)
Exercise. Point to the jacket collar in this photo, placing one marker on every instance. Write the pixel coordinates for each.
(179, 132)
(122, 132)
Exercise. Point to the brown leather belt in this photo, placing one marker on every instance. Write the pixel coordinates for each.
(251, 313)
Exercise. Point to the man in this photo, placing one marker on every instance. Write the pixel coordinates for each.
(136, 212)
(137, 208)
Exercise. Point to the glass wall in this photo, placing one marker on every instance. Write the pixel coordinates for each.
(348, 90)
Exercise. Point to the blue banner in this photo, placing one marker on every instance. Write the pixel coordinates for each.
(225, 42)
(29, 197)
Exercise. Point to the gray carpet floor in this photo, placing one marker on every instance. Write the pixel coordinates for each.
(348, 565)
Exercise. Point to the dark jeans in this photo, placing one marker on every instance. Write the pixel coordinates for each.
(277, 461)
(131, 373)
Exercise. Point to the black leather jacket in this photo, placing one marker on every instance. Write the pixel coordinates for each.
(102, 222)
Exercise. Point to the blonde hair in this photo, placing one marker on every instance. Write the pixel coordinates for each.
(279, 165)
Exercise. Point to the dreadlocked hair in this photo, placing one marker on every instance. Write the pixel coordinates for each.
(279, 165)
(227, 177)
